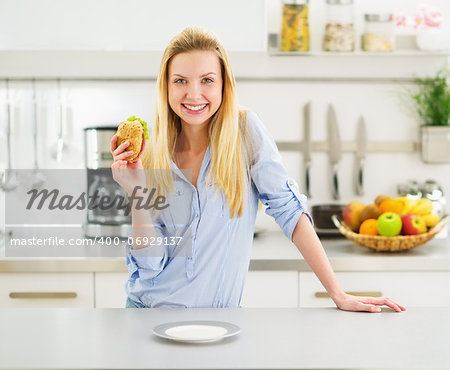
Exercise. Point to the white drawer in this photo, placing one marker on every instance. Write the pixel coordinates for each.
(271, 289)
(47, 290)
(413, 289)
(110, 289)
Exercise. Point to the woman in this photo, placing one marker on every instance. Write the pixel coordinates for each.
(232, 162)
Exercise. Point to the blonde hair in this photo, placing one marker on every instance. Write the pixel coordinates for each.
(227, 130)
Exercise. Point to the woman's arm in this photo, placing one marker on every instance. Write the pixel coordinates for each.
(131, 177)
(307, 242)
(142, 225)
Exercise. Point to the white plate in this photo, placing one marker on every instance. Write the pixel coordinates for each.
(196, 331)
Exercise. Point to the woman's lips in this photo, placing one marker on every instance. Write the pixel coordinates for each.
(195, 112)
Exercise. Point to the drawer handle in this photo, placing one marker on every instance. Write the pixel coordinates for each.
(42, 295)
(359, 294)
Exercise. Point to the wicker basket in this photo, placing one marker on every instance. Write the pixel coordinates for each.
(388, 243)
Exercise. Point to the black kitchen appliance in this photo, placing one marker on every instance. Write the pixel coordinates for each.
(110, 221)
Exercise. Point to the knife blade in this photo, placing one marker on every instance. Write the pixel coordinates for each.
(334, 150)
(361, 149)
(307, 147)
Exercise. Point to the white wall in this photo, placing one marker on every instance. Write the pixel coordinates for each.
(125, 25)
(148, 25)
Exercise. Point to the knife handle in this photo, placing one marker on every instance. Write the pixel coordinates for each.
(335, 183)
(307, 181)
(359, 178)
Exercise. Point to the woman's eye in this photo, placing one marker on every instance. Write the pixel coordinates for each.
(180, 81)
(207, 80)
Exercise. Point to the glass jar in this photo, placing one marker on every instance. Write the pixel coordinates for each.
(433, 191)
(294, 26)
(378, 32)
(339, 28)
(410, 190)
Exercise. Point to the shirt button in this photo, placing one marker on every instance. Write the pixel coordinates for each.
(196, 215)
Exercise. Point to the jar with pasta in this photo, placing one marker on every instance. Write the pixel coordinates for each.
(378, 32)
(339, 28)
(294, 26)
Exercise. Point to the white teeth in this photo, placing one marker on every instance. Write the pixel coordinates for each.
(197, 107)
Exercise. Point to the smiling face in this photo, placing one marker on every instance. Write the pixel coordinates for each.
(195, 86)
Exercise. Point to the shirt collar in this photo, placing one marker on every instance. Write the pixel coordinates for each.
(202, 174)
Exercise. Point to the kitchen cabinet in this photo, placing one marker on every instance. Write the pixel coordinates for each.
(411, 289)
(262, 289)
(106, 289)
(271, 289)
(278, 276)
(110, 289)
(46, 290)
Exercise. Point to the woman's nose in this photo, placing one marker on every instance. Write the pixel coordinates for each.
(194, 90)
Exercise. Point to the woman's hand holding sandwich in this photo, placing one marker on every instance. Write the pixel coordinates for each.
(127, 168)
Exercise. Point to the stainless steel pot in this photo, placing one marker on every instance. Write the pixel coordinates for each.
(321, 215)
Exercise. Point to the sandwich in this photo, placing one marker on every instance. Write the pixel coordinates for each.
(132, 130)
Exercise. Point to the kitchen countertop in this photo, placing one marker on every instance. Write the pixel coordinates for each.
(271, 251)
(269, 339)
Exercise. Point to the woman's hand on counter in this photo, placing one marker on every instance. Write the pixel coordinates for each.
(349, 302)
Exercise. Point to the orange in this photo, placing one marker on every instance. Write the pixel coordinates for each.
(369, 227)
(392, 205)
(379, 199)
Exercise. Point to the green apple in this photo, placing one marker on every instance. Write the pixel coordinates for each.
(389, 224)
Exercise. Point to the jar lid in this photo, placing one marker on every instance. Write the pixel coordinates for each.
(378, 17)
(339, 2)
(294, 2)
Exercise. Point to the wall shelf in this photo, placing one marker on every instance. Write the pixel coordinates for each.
(247, 66)
(273, 50)
(367, 54)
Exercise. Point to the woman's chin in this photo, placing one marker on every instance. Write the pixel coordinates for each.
(196, 121)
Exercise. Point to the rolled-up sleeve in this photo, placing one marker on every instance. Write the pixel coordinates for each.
(147, 262)
(276, 190)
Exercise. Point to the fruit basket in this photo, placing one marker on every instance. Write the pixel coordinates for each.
(388, 243)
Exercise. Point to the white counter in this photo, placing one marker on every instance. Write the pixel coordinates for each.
(269, 339)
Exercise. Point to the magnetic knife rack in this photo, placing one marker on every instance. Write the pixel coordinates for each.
(350, 146)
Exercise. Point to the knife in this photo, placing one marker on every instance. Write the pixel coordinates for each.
(334, 150)
(361, 148)
(307, 147)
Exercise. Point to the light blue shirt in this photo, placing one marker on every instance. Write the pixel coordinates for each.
(214, 275)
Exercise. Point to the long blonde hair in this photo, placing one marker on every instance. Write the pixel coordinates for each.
(227, 131)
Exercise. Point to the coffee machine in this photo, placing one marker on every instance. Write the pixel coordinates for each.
(103, 221)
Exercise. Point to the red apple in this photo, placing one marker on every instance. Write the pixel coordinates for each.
(413, 224)
(351, 213)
